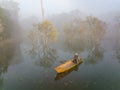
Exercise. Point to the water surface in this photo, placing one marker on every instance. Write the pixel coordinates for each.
(23, 68)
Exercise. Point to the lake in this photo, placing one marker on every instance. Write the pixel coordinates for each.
(23, 68)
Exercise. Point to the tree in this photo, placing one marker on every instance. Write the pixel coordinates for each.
(80, 33)
(74, 32)
(5, 24)
(47, 31)
(96, 29)
(11, 6)
(9, 18)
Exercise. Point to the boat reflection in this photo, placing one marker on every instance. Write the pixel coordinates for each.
(61, 75)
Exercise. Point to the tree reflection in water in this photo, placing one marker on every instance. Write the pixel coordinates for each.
(95, 55)
(1, 82)
(7, 51)
(6, 54)
(95, 52)
(118, 55)
(47, 57)
(75, 46)
(117, 42)
(117, 50)
(32, 52)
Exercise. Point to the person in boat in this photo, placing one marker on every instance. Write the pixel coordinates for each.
(75, 59)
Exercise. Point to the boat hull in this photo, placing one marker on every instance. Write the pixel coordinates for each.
(67, 66)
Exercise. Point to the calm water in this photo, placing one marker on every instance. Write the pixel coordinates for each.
(23, 68)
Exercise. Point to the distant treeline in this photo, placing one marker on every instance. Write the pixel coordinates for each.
(8, 20)
(9, 29)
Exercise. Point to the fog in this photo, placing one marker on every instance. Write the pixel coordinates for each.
(94, 7)
(19, 17)
(37, 35)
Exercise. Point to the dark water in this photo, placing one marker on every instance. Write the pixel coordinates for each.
(23, 68)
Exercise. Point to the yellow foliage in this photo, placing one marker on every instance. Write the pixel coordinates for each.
(48, 30)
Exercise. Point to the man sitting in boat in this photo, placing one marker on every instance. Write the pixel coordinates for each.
(75, 59)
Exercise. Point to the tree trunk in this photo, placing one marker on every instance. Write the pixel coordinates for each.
(42, 10)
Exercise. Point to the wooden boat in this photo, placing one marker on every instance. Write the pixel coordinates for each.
(61, 75)
(67, 66)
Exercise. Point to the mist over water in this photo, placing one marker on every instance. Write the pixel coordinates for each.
(31, 47)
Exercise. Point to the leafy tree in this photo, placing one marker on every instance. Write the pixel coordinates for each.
(5, 23)
(75, 32)
(41, 37)
(11, 6)
(96, 29)
(80, 33)
(9, 18)
(48, 32)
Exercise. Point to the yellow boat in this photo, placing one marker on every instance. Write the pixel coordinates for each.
(67, 65)
(61, 75)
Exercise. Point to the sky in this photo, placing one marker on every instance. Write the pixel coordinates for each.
(94, 7)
